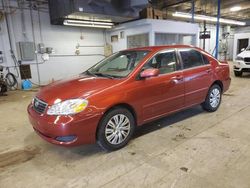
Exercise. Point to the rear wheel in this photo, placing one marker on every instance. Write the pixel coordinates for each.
(115, 129)
(238, 73)
(213, 99)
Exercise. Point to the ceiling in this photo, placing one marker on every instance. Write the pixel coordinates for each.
(207, 7)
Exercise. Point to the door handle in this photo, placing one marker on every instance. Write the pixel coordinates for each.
(208, 70)
(176, 79)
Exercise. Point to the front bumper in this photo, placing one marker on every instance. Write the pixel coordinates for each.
(241, 66)
(65, 130)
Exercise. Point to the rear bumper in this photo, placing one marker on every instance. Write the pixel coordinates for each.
(226, 84)
(65, 130)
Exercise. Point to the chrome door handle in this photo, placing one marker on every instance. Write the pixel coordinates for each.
(208, 70)
(176, 79)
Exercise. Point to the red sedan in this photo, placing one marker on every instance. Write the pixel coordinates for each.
(128, 89)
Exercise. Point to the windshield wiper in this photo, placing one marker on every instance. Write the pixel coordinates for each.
(90, 73)
(95, 74)
(103, 75)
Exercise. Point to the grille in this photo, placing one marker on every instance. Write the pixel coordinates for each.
(247, 59)
(39, 106)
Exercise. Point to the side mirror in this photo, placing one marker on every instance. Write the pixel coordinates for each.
(242, 49)
(149, 73)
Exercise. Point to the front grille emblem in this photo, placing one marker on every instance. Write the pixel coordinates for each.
(36, 104)
(39, 106)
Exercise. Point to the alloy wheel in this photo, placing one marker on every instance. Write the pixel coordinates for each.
(117, 129)
(214, 97)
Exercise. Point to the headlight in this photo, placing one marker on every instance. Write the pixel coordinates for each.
(239, 58)
(72, 106)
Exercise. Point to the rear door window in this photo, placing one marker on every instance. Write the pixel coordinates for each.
(205, 60)
(191, 58)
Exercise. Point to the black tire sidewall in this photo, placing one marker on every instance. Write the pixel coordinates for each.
(11, 77)
(238, 73)
(101, 138)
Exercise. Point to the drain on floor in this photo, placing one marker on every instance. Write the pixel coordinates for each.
(185, 169)
(18, 156)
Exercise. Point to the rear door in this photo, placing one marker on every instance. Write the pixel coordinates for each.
(197, 76)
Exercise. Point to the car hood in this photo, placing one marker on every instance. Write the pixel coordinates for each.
(78, 87)
(245, 53)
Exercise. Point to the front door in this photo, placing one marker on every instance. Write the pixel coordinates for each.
(165, 93)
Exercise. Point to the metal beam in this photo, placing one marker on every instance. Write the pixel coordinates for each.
(217, 30)
(193, 11)
(175, 4)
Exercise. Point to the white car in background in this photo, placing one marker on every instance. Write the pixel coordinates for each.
(242, 63)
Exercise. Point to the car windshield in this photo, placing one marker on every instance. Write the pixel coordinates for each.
(118, 65)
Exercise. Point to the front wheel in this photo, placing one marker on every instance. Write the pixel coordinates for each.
(115, 129)
(213, 99)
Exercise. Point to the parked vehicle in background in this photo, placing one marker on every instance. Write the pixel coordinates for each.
(128, 89)
(242, 63)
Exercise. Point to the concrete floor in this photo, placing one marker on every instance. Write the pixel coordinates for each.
(192, 149)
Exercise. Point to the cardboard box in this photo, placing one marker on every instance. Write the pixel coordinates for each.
(147, 13)
(158, 14)
(151, 13)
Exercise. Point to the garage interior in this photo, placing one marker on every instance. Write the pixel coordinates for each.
(42, 41)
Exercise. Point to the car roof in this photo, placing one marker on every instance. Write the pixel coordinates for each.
(156, 48)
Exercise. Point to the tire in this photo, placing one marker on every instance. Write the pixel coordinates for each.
(238, 73)
(213, 99)
(112, 136)
(11, 80)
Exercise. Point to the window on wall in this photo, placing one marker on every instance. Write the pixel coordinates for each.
(191, 58)
(169, 39)
(141, 40)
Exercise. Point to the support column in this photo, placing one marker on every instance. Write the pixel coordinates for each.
(193, 11)
(217, 30)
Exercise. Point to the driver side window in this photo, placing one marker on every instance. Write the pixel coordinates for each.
(166, 62)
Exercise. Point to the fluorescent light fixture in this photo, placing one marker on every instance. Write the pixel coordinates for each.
(235, 8)
(208, 18)
(85, 23)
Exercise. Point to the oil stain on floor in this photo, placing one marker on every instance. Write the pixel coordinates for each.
(18, 156)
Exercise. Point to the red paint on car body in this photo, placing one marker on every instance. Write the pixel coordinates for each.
(149, 98)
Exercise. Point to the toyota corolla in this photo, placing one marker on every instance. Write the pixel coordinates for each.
(128, 89)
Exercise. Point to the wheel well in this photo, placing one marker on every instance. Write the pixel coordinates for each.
(219, 83)
(124, 105)
(121, 105)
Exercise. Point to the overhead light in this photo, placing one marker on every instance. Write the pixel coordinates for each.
(208, 18)
(235, 8)
(85, 23)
